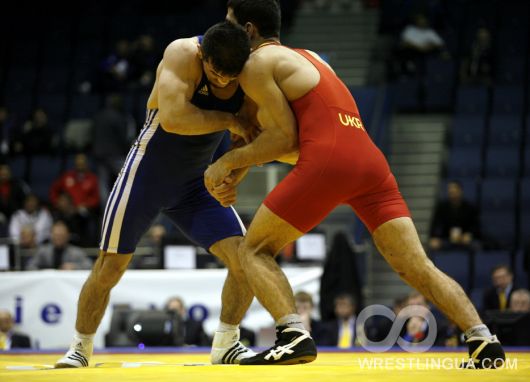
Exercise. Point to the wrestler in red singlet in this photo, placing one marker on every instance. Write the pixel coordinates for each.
(338, 162)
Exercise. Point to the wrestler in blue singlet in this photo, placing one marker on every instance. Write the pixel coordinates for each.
(163, 172)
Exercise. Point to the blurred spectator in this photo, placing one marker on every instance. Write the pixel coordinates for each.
(520, 301)
(455, 220)
(342, 330)
(305, 307)
(377, 328)
(417, 327)
(36, 136)
(7, 129)
(144, 60)
(32, 214)
(193, 331)
(65, 211)
(477, 64)
(498, 296)
(115, 68)
(59, 253)
(113, 132)
(9, 339)
(152, 243)
(418, 40)
(81, 184)
(27, 245)
(12, 194)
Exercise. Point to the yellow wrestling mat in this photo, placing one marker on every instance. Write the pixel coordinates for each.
(329, 367)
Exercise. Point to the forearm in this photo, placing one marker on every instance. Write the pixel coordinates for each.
(196, 121)
(267, 147)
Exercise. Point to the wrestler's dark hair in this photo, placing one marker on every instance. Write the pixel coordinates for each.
(264, 14)
(227, 46)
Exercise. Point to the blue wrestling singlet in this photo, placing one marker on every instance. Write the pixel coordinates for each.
(164, 172)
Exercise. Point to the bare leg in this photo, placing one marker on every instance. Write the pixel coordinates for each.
(267, 235)
(237, 295)
(398, 242)
(94, 296)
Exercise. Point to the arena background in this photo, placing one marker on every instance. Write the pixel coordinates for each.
(458, 111)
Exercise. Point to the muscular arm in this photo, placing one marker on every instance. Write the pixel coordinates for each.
(176, 84)
(279, 136)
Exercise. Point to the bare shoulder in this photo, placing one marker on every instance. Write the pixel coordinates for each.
(259, 64)
(183, 49)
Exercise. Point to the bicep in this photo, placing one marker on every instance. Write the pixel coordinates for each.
(172, 92)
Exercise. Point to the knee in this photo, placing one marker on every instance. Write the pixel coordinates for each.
(109, 270)
(249, 252)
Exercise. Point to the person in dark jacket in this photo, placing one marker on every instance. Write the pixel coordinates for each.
(9, 339)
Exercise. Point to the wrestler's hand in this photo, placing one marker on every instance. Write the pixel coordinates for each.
(225, 193)
(215, 175)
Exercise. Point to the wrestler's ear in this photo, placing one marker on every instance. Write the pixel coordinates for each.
(251, 30)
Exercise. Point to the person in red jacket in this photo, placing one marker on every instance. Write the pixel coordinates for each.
(81, 184)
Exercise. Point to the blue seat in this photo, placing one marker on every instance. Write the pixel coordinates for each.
(44, 170)
(464, 163)
(522, 277)
(484, 262)
(439, 84)
(472, 100)
(18, 166)
(456, 264)
(498, 228)
(84, 106)
(498, 195)
(502, 162)
(55, 107)
(505, 130)
(510, 70)
(508, 99)
(477, 298)
(524, 204)
(406, 94)
(527, 161)
(53, 80)
(468, 131)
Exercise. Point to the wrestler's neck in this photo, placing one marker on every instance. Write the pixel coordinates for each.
(259, 42)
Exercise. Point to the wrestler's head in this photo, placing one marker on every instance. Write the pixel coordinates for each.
(260, 18)
(224, 50)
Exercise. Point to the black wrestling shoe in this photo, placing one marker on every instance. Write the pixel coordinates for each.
(293, 346)
(484, 353)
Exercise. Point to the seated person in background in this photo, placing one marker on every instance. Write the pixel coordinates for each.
(193, 331)
(65, 211)
(12, 194)
(304, 306)
(35, 136)
(9, 339)
(417, 41)
(81, 184)
(498, 296)
(455, 220)
(520, 301)
(32, 214)
(59, 254)
(27, 245)
(151, 242)
(342, 330)
(477, 66)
